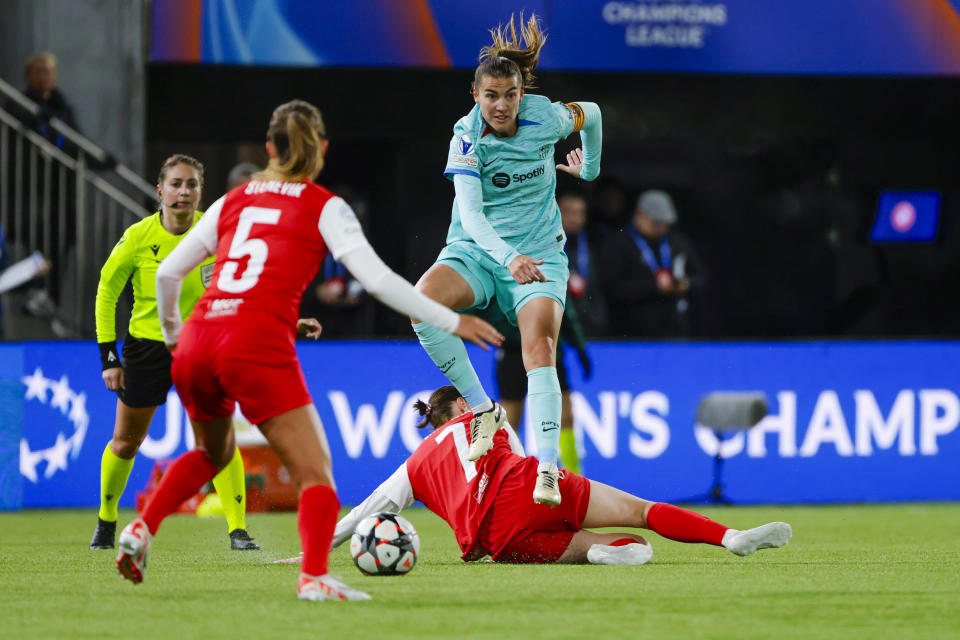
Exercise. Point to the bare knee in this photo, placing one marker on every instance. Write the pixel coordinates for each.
(130, 429)
(539, 352)
(219, 456)
(125, 449)
(317, 472)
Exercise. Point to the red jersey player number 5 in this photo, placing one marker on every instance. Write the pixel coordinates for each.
(243, 246)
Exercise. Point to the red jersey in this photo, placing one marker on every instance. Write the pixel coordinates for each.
(458, 490)
(269, 247)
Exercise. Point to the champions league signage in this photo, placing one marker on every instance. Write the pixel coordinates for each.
(866, 421)
(877, 37)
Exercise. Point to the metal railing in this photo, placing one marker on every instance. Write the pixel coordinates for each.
(71, 206)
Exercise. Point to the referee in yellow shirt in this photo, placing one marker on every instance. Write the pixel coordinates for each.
(142, 378)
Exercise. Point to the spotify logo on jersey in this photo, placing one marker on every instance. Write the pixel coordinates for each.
(501, 180)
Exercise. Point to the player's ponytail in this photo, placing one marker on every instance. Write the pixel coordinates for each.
(440, 409)
(297, 132)
(505, 57)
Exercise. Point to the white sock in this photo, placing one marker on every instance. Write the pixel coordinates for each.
(727, 535)
(486, 405)
(547, 466)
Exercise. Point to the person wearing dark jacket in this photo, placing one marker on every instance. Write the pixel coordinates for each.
(649, 272)
(40, 75)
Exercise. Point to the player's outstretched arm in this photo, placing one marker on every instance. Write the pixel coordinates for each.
(198, 245)
(585, 163)
(394, 495)
(346, 242)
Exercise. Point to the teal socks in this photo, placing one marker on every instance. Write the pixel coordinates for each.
(449, 353)
(544, 405)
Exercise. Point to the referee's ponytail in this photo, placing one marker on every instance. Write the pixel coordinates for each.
(505, 57)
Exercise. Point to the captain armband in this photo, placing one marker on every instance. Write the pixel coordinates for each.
(578, 116)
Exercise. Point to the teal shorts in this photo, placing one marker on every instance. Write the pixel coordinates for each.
(489, 280)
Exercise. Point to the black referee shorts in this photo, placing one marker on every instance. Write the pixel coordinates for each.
(512, 377)
(146, 373)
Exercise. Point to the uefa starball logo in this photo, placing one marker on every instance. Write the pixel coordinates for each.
(465, 145)
(60, 397)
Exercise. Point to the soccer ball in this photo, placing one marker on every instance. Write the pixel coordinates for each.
(385, 544)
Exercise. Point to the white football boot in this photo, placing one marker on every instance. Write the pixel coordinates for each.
(482, 428)
(767, 536)
(326, 587)
(632, 553)
(134, 542)
(547, 490)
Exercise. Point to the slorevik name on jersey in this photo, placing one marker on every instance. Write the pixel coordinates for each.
(292, 189)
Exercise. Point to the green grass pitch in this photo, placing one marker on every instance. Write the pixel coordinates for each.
(887, 571)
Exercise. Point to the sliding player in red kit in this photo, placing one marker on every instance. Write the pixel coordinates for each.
(269, 236)
(487, 503)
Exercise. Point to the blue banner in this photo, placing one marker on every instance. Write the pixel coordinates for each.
(913, 37)
(848, 422)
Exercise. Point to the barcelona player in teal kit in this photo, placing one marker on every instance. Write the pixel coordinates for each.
(505, 243)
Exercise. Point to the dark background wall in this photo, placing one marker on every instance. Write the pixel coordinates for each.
(776, 178)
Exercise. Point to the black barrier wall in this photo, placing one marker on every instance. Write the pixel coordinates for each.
(776, 179)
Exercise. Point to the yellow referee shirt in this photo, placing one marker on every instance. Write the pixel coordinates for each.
(136, 256)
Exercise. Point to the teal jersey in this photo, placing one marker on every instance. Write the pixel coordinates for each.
(518, 175)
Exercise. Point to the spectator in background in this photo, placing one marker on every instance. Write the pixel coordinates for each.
(241, 175)
(649, 272)
(40, 75)
(583, 287)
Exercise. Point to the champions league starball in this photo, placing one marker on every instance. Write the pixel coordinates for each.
(385, 544)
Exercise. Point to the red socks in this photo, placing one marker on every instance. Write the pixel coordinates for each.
(182, 479)
(684, 526)
(316, 521)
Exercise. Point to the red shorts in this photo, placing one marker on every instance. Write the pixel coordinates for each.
(216, 365)
(516, 529)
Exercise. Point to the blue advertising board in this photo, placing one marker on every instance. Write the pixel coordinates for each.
(899, 37)
(848, 421)
(11, 421)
